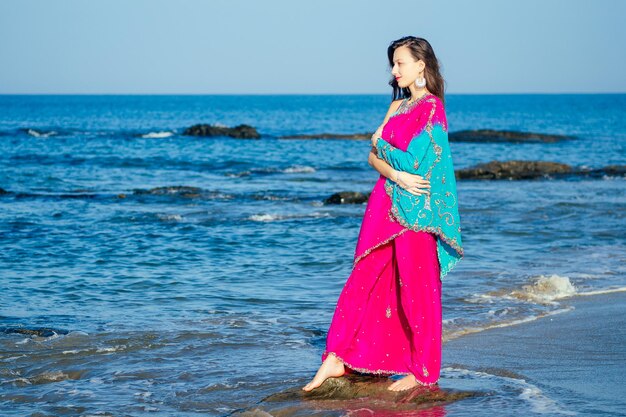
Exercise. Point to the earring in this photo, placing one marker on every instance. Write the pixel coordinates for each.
(420, 83)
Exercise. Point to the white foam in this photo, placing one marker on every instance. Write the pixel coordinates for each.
(11, 358)
(603, 291)
(298, 169)
(540, 403)
(157, 135)
(264, 217)
(37, 134)
(111, 349)
(170, 217)
(274, 217)
(468, 330)
(546, 289)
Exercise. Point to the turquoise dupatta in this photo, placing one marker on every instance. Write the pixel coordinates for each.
(428, 154)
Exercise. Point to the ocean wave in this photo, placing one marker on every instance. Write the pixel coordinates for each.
(183, 191)
(169, 217)
(504, 380)
(540, 298)
(294, 169)
(299, 169)
(450, 332)
(266, 217)
(159, 134)
(40, 134)
(543, 289)
(608, 290)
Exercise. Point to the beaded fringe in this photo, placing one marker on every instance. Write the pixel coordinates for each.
(379, 371)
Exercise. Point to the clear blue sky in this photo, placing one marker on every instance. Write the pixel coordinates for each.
(306, 47)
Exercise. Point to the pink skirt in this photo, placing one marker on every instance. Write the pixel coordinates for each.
(388, 315)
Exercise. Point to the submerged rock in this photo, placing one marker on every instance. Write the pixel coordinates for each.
(353, 393)
(490, 135)
(177, 190)
(38, 331)
(347, 197)
(241, 131)
(477, 135)
(354, 136)
(611, 170)
(513, 170)
(521, 170)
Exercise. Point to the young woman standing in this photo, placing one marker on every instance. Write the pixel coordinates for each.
(388, 315)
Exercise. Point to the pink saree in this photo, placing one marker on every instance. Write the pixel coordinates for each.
(388, 315)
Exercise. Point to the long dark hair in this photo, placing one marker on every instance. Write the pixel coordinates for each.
(420, 49)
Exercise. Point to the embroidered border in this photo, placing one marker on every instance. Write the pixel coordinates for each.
(409, 107)
(367, 252)
(379, 371)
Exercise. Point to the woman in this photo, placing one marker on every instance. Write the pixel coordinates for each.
(388, 316)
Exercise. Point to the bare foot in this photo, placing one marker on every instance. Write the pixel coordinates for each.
(405, 383)
(330, 368)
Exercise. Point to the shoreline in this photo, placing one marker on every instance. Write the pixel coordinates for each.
(577, 358)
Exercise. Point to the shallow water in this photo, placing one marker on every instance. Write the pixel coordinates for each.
(188, 305)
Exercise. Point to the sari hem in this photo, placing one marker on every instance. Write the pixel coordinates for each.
(378, 371)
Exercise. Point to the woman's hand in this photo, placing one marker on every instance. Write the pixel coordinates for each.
(377, 134)
(413, 183)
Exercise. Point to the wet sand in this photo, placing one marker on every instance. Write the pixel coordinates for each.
(576, 358)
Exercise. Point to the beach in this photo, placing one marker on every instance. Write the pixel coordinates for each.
(573, 362)
(144, 271)
(570, 363)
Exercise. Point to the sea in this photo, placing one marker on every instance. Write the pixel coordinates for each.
(124, 292)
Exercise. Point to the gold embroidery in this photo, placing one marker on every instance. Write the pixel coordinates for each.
(424, 370)
(367, 252)
(416, 227)
(388, 312)
(378, 371)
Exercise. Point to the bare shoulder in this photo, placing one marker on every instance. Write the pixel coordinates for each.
(394, 106)
(392, 109)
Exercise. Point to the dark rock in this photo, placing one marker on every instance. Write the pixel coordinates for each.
(353, 136)
(610, 170)
(521, 170)
(239, 132)
(479, 135)
(174, 190)
(347, 197)
(41, 331)
(489, 135)
(513, 170)
(3, 191)
(349, 393)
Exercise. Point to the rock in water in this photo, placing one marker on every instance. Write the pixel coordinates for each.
(174, 190)
(239, 132)
(347, 197)
(513, 170)
(355, 392)
(490, 135)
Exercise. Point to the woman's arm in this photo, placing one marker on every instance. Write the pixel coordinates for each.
(377, 163)
(381, 166)
(414, 184)
(409, 160)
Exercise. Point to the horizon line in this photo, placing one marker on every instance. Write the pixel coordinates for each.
(304, 94)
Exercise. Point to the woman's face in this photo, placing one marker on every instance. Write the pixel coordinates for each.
(405, 68)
